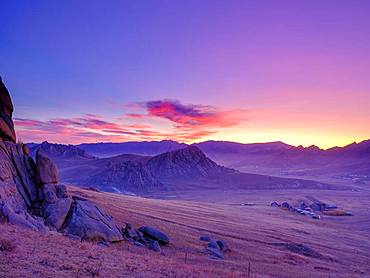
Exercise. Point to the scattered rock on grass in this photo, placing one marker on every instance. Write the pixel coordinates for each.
(155, 246)
(213, 244)
(215, 253)
(205, 238)
(145, 237)
(153, 233)
(215, 247)
(223, 245)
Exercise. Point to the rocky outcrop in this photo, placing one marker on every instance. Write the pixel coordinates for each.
(6, 111)
(125, 177)
(31, 195)
(46, 169)
(189, 162)
(145, 236)
(155, 234)
(89, 222)
(215, 248)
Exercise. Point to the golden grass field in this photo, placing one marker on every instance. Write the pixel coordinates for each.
(261, 237)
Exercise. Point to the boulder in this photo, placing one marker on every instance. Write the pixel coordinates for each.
(7, 132)
(213, 244)
(132, 233)
(27, 185)
(50, 193)
(91, 223)
(215, 253)
(7, 128)
(223, 245)
(318, 206)
(154, 234)
(155, 246)
(286, 205)
(46, 169)
(12, 190)
(303, 205)
(205, 238)
(6, 105)
(26, 149)
(20, 218)
(139, 244)
(128, 232)
(57, 212)
(61, 191)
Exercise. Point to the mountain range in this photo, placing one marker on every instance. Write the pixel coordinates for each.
(140, 148)
(349, 163)
(185, 168)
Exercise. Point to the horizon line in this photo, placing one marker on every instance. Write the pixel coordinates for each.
(224, 141)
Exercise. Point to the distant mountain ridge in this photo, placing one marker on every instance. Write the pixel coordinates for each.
(181, 169)
(60, 150)
(140, 148)
(63, 154)
(349, 163)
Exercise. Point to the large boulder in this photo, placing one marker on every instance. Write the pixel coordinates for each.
(13, 194)
(46, 169)
(155, 234)
(56, 213)
(91, 223)
(213, 244)
(27, 183)
(6, 111)
(50, 193)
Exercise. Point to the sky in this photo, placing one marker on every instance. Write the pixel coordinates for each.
(246, 71)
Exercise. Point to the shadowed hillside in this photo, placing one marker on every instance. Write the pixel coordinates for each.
(183, 169)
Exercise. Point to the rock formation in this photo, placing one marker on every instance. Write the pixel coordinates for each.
(31, 195)
(6, 112)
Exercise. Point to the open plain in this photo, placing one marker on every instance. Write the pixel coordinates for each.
(265, 241)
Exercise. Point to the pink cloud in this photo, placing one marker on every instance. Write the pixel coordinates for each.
(189, 123)
(190, 117)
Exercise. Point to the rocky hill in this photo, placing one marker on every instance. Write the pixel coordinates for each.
(124, 177)
(189, 162)
(133, 173)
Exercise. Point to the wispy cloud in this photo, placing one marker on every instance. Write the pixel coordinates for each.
(185, 123)
(191, 116)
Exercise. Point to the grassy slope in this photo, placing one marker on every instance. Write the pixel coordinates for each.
(254, 234)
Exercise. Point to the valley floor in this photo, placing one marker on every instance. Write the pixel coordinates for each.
(271, 241)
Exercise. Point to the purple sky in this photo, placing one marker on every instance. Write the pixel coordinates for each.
(248, 71)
